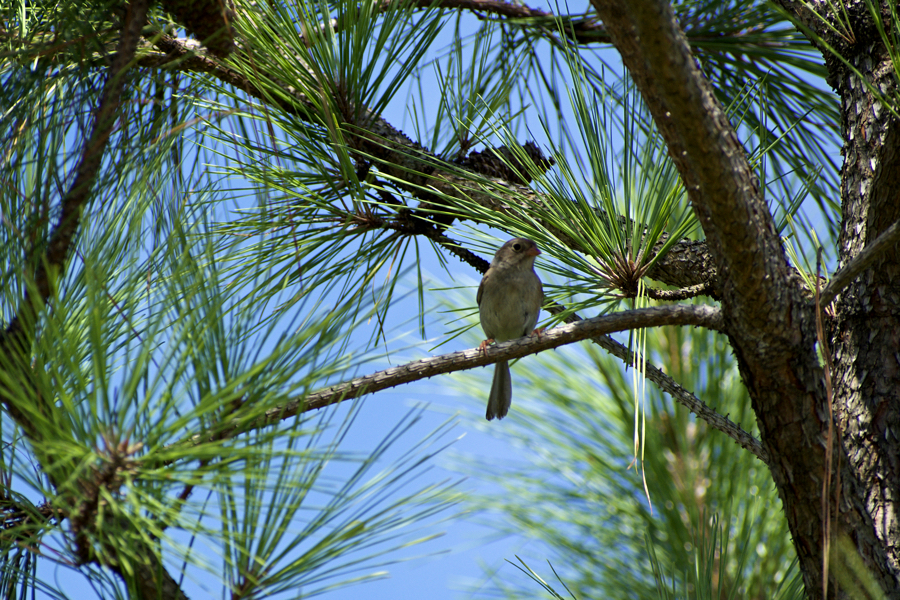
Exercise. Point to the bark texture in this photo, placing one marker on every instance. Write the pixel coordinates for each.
(866, 333)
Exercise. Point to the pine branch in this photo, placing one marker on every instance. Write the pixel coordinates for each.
(416, 169)
(693, 291)
(677, 314)
(146, 578)
(593, 329)
(57, 249)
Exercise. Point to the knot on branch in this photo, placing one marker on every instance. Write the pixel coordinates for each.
(210, 21)
(513, 165)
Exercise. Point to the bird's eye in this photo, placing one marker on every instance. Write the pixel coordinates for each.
(517, 247)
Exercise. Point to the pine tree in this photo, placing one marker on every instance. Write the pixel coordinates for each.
(164, 354)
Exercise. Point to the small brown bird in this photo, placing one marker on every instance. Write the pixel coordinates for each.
(509, 300)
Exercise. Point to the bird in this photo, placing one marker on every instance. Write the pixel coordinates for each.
(509, 300)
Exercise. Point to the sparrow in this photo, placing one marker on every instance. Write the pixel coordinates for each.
(509, 300)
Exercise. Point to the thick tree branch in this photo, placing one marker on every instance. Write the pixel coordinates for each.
(678, 314)
(583, 30)
(713, 164)
(693, 291)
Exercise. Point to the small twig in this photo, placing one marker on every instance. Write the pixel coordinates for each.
(681, 395)
(688, 400)
(436, 235)
(409, 224)
(888, 238)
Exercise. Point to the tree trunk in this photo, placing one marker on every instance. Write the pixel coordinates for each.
(865, 340)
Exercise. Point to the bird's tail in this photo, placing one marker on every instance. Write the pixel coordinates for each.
(501, 392)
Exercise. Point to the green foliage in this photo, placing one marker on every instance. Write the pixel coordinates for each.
(158, 352)
(715, 573)
(477, 78)
(151, 359)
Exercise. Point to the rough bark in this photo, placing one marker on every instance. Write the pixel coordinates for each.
(866, 334)
(865, 338)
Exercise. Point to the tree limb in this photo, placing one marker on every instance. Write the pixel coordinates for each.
(771, 325)
(862, 261)
(687, 399)
(677, 314)
(665, 383)
(593, 329)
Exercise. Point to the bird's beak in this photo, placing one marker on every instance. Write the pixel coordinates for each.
(533, 252)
